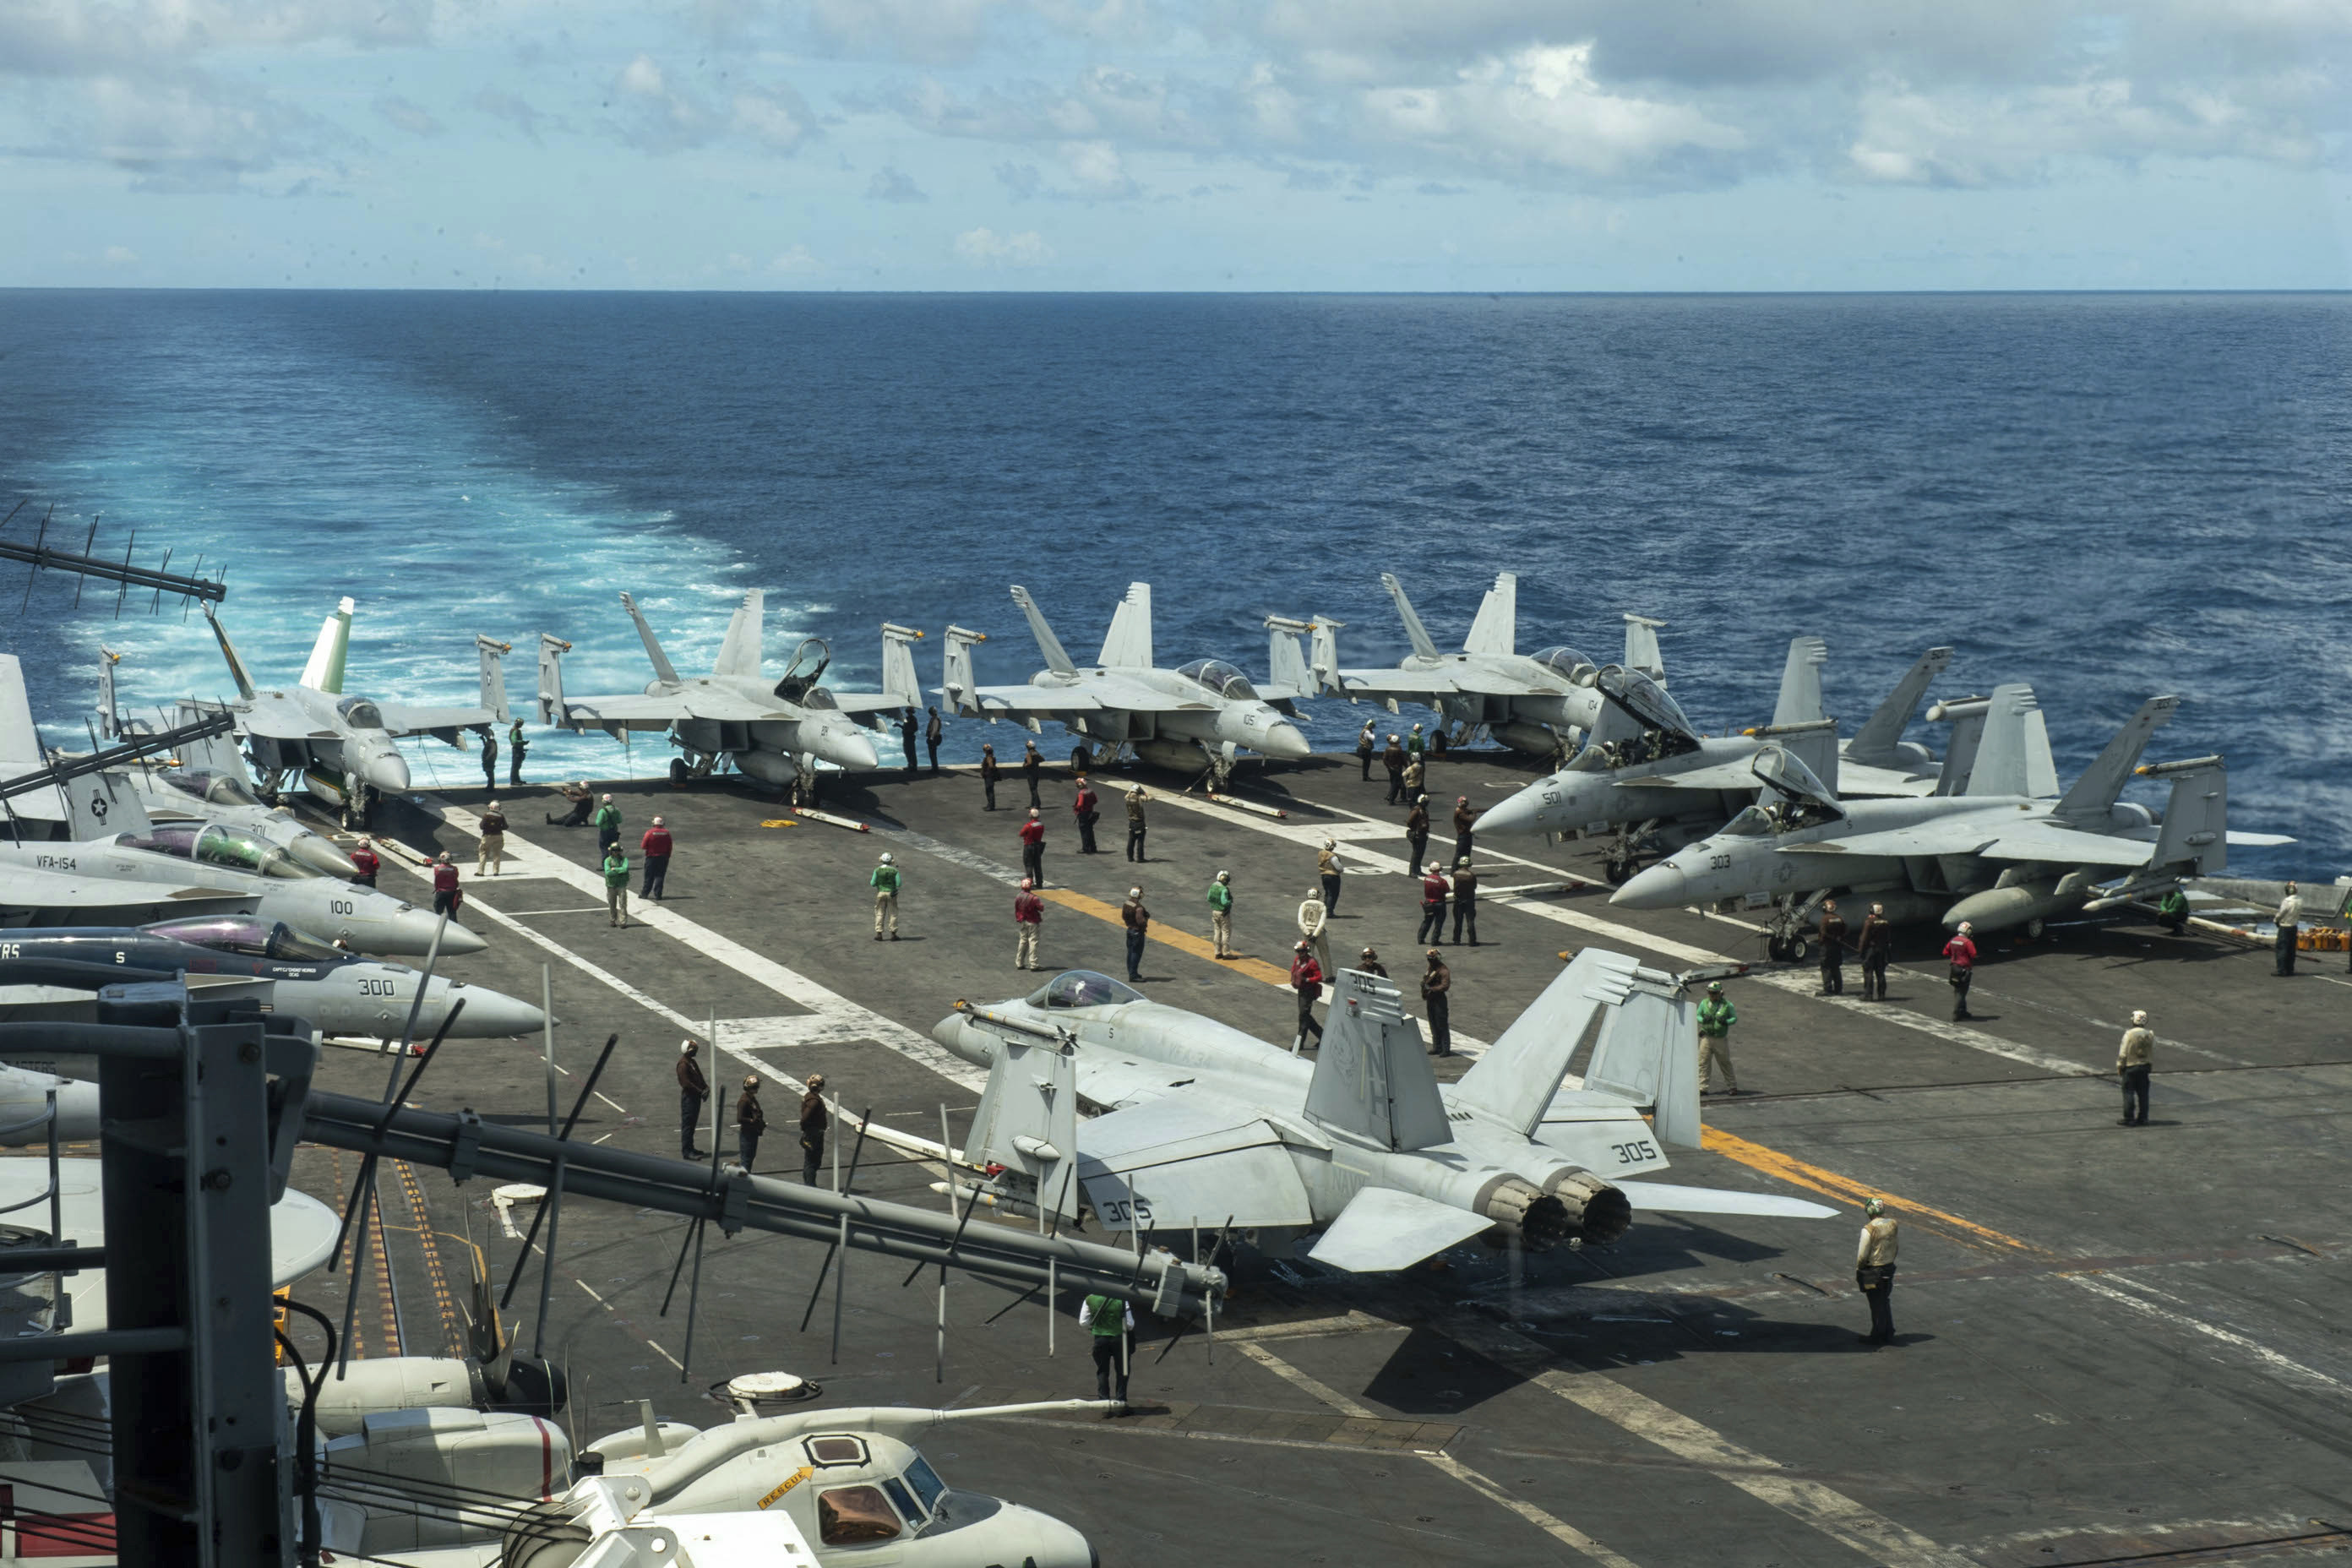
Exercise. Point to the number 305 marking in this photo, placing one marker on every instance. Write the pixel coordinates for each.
(1634, 1154)
(1120, 1210)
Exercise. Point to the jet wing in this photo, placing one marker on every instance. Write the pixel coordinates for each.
(1417, 684)
(993, 700)
(1383, 1228)
(402, 720)
(1733, 772)
(1862, 779)
(1668, 1197)
(868, 701)
(648, 712)
(30, 897)
(2065, 846)
(1189, 1160)
(1963, 835)
(279, 718)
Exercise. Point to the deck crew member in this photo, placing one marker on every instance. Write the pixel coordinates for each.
(656, 847)
(1135, 824)
(1877, 944)
(1961, 953)
(490, 758)
(1085, 806)
(1306, 981)
(693, 1089)
(1465, 900)
(608, 824)
(1108, 1322)
(751, 1121)
(1393, 759)
(1365, 746)
(1328, 870)
(934, 730)
(1436, 1003)
(516, 747)
(2289, 920)
(365, 863)
(1433, 891)
(577, 793)
(2135, 1058)
(1137, 920)
(616, 887)
(885, 883)
(1028, 916)
(1370, 962)
(2172, 909)
(813, 1121)
(1221, 913)
(1416, 832)
(1873, 1270)
(1832, 950)
(1715, 1017)
(1033, 768)
(989, 773)
(907, 731)
(1415, 772)
(1416, 744)
(492, 849)
(1463, 819)
(1033, 847)
(1314, 918)
(446, 894)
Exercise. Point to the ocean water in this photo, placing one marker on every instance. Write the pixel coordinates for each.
(2107, 495)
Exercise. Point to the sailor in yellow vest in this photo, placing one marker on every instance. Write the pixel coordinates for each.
(1873, 1270)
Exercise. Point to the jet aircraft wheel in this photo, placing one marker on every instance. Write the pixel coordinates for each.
(1798, 948)
(1082, 759)
(2033, 930)
(1776, 949)
(1618, 872)
(678, 771)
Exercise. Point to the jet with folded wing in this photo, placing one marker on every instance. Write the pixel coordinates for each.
(1995, 855)
(1539, 702)
(1205, 1126)
(345, 748)
(768, 727)
(1647, 775)
(1199, 715)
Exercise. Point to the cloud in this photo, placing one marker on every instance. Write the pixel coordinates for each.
(987, 248)
(514, 110)
(190, 134)
(118, 256)
(658, 113)
(1097, 172)
(406, 116)
(889, 185)
(778, 119)
(1022, 179)
(797, 259)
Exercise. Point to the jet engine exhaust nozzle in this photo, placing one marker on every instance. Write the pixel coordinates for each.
(1538, 1220)
(1596, 1211)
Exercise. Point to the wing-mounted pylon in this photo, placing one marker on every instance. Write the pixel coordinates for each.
(1128, 644)
(1049, 646)
(739, 654)
(663, 669)
(1415, 633)
(1496, 627)
(956, 681)
(324, 672)
(1373, 1077)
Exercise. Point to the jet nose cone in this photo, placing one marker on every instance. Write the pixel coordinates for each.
(458, 940)
(1517, 814)
(1283, 741)
(320, 855)
(492, 1015)
(1662, 887)
(386, 771)
(849, 748)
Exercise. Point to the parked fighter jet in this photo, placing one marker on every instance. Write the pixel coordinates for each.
(1197, 716)
(1993, 855)
(768, 727)
(1644, 763)
(341, 993)
(1538, 702)
(1211, 1127)
(342, 749)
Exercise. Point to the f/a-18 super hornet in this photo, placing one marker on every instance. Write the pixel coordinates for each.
(1199, 715)
(1208, 1126)
(337, 990)
(342, 748)
(768, 727)
(1994, 856)
(1539, 703)
(1648, 776)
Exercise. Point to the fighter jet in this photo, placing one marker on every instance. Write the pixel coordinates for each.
(340, 991)
(1539, 703)
(1208, 1126)
(768, 727)
(1198, 716)
(1994, 856)
(344, 749)
(1646, 774)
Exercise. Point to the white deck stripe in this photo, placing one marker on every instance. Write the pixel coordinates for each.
(2294, 1369)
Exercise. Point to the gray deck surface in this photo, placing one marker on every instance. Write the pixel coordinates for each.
(2117, 1345)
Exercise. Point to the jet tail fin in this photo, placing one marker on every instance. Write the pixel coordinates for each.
(1128, 644)
(663, 668)
(494, 675)
(552, 650)
(956, 682)
(1874, 744)
(1028, 1121)
(228, 652)
(2102, 784)
(1049, 646)
(1513, 1084)
(1415, 633)
(1648, 1053)
(1372, 1077)
(20, 740)
(739, 654)
(1496, 629)
(1285, 659)
(1323, 657)
(215, 753)
(1801, 683)
(2196, 830)
(1642, 647)
(110, 712)
(99, 806)
(325, 670)
(899, 682)
(1999, 766)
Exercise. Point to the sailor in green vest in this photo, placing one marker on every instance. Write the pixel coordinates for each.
(1110, 1321)
(2172, 909)
(616, 887)
(885, 883)
(1715, 1016)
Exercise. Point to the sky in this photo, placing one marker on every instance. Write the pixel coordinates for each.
(1161, 144)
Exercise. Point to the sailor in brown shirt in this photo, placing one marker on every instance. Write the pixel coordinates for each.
(1832, 950)
(693, 1090)
(1435, 982)
(751, 1121)
(813, 1122)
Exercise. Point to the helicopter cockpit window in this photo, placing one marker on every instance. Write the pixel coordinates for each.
(849, 1516)
(1568, 663)
(1220, 677)
(896, 1491)
(924, 1482)
(837, 1450)
(1082, 988)
(360, 713)
(1752, 823)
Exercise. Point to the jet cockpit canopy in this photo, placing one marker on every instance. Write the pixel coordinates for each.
(1220, 677)
(1568, 664)
(1082, 988)
(360, 713)
(1645, 699)
(248, 934)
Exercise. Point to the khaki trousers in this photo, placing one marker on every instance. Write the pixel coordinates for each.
(1025, 945)
(1714, 1049)
(1220, 932)
(886, 907)
(490, 853)
(616, 905)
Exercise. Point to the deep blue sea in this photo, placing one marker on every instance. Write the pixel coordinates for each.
(2107, 495)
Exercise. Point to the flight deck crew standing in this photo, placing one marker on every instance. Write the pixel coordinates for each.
(885, 883)
(1314, 919)
(1393, 759)
(1416, 744)
(1433, 889)
(608, 825)
(1085, 807)
(1028, 917)
(1415, 772)
(1365, 746)
(656, 846)
(366, 866)
(1877, 944)
(2135, 1058)
(1033, 847)
(1873, 1270)
(1033, 768)
(813, 1122)
(1221, 913)
(446, 894)
(1416, 832)
(1465, 900)
(1306, 980)
(1832, 950)
(1715, 1016)
(2290, 928)
(989, 773)
(492, 849)
(1961, 950)
(907, 730)
(516, 747)
(1328, 872)
(616, 887)
(1137, 920)
(1436, 1002)
(933, 732)
(1463, 819)
(1135, 824)
(751, 1121)
(693, 1089)
(1108, 1321)
(490, 758)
